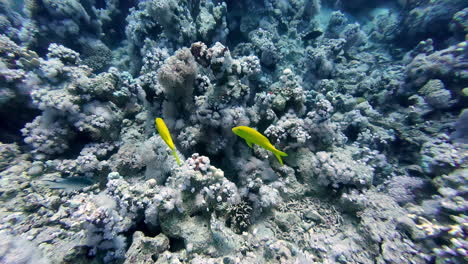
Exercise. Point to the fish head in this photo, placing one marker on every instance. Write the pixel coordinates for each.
(235, 130)
(159, 122)
(239, 130)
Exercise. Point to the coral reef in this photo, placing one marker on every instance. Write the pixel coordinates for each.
(368, 99)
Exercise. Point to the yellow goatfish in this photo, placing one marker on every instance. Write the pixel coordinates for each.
(252, 136)
(166, 136)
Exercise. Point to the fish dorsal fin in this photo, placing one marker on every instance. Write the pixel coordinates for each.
(248, 143)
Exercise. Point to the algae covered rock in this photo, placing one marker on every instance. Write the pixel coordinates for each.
(435, 94)
(146, 249)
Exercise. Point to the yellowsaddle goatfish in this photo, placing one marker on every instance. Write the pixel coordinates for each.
(252, 136)
(166, 136)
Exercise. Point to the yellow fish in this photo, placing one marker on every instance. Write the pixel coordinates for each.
(252, 136)
(166, 136)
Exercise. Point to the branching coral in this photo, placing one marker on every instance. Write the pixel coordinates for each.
(339, 168)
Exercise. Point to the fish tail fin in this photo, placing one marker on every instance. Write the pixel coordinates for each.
(176, 157)
(280, 154)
